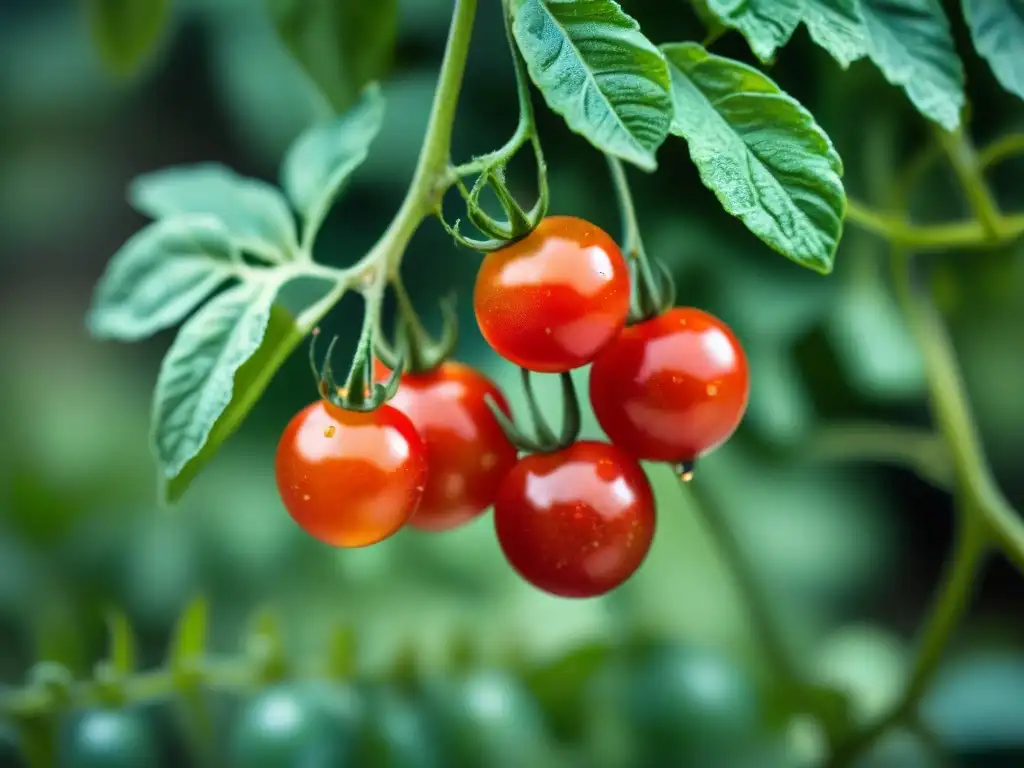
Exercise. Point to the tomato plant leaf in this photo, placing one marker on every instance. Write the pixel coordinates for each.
(761, 153)
(197, 378)
(997, 28)
(837, 26)
(188, 642)
(255, 213)
(321, 160)
(122, 642)
(911, 43)
(766, 24)
(125, 31)
(251, 380)
(341, 44)
(596, 69)
(160, 276)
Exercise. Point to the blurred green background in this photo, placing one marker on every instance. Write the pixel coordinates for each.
(848, 550)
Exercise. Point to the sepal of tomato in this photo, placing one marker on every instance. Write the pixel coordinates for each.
(673, 388)
(350, 478)
(467, 453)
(550, 301)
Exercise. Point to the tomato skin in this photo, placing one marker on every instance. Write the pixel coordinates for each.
(552, 300)
(577, 522)
(672, 388)
(468, 454)
(350, 479)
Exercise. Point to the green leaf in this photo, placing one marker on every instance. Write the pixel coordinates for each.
(766, 24)
(188, 642)
(997, 28)
(122, 643)
(160, 276)
(560, 686)
(125, 31)
(321, 160)
(837, 26)
(910, 41)
(761, 153)
(251, 380)
(255, 213)
(341, 44)
(597, 70)
(197, 378)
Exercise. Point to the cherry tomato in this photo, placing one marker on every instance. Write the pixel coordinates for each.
(672, 388)
(552, 300)
(467, 452)
(577, 522)
(348, 478)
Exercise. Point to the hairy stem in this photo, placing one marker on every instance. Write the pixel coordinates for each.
(923, 238)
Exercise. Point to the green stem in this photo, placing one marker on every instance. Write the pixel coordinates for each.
(951, 601)
(1001, 149)
(748, 585)
(964, 160)
(648, 292)
(923, 238)
(921, 450)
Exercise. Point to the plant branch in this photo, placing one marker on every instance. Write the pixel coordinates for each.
(921, 450)
(964, 160)
(950, 603)
(923, 238)
(1001, 149)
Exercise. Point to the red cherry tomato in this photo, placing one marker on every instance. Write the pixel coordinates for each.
(550, 301)
(467, 452)
(672, 388)
(347, 478)
(577, 522)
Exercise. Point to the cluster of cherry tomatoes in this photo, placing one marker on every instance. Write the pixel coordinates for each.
(574, 521)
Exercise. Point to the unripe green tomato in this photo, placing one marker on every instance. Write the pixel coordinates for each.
(396, 733)
(692, 706)
(488, 719)
(298, 725)
(109, 739)
(11, 755)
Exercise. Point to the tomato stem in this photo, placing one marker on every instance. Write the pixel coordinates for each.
(545, 439)
(651, 297)
(412, 343)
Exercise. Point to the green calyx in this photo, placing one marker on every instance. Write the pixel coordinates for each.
(412, 344)
(360, 392)
(545, 440)
(490, 169)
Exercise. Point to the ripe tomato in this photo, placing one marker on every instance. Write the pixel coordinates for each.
(672, 388)
(577, 522)
(552, 300)
(348, 478)
(467, 452)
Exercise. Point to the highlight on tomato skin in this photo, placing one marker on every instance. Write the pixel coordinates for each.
(468, 454)
(551, 301)
(349, 478)
(576, 522)
(672, 388)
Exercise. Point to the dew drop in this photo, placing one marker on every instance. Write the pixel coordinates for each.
(329, 432)
(711, 389)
